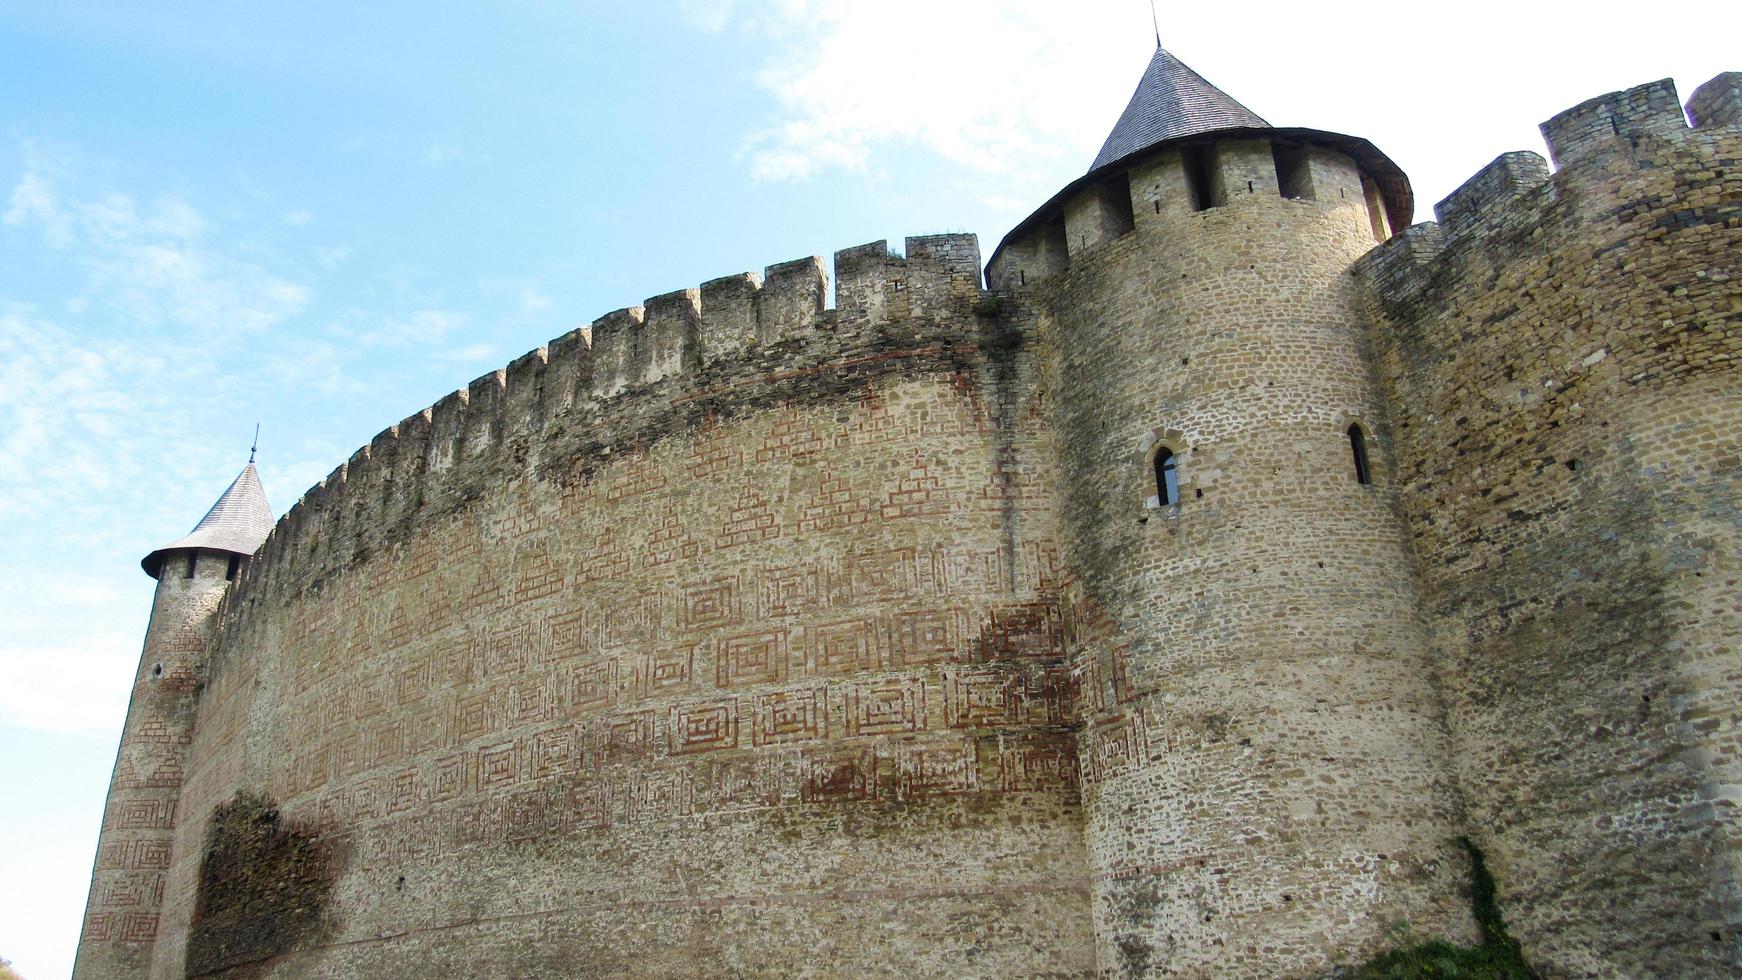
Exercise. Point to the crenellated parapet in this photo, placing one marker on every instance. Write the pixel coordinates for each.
(1535, 290)
(629, 378)
(1200, 175)
(1609, 121)
(1718, 103)
(1628, 168)
(1491, 198)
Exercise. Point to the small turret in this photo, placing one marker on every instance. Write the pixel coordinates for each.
(1185, 146)
(236, 525)
(134, 849)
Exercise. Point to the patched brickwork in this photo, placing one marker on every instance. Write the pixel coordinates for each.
(262, 890)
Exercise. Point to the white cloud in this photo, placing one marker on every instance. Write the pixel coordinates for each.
(990, 85)
(79, 590)
(82, 423)
(436, 154)
(175, 218)
(150, 265)
(528, 297)
(313, 365)
(1020, 93)
(299, 218)
(70, 647)
(419, 327)
(80, 684)
(105, 432)
(33, 202)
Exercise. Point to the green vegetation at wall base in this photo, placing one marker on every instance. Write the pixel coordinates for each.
(1498, 958)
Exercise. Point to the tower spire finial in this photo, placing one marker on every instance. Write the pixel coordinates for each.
(256, 446)
(1155, 20)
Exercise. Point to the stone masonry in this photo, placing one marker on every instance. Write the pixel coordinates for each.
(744, 633)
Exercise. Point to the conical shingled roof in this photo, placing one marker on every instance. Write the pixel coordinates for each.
(1171, 101)
(237, 523)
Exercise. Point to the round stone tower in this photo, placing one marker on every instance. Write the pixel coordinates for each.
(1263, 751)
(134, 847)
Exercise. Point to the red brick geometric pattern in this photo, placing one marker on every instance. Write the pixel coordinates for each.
(844, 647)
(890, 706)
(925, 636)
(704, 726)
(751, 659)
(937, 767)
(783, 717)
(666, 670)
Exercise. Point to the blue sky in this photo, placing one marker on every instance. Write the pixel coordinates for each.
(323, 217)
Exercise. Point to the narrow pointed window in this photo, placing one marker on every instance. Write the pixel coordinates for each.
(1166, 478)
(1358, 446)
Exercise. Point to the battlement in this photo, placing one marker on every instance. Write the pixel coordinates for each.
(599, 386)
(1718, 102)
(1652, 109)
(1640, 131)
(1230, 169)
(1493, 192)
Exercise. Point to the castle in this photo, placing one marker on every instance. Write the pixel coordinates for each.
(1170, 606)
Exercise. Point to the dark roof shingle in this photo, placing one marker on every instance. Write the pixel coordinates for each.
(1171, 101)
(237, 523)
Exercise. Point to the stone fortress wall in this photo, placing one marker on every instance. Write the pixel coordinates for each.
(725, 642)
(741, 636)
(1559, 357)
